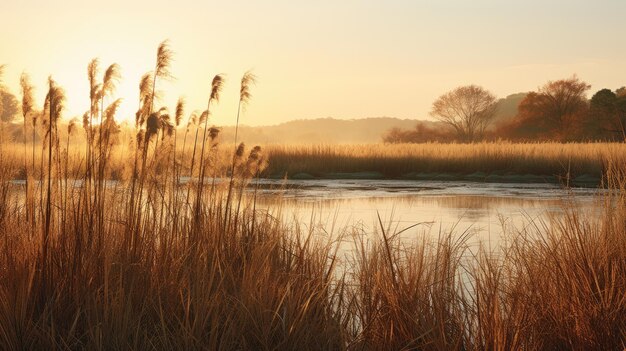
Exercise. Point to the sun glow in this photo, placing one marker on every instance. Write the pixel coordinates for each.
(71, 75)
(351, 59)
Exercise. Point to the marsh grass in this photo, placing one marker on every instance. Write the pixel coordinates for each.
(397, 161)
(549, 160)
(153, 263)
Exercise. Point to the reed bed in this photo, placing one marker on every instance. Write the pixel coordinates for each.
(388, 160)
(263, 284)
(398, 160)
(154, 263)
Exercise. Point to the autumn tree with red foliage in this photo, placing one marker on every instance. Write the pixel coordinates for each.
(556, 112)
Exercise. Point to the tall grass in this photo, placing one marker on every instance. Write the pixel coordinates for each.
(398, 160)
(214, 97)
(139, 267)
(28, 106)
(549, 161)
(245, 95)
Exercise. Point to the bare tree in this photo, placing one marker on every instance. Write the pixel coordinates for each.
(468, 109)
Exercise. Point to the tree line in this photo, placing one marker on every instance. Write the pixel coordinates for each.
(557, 111)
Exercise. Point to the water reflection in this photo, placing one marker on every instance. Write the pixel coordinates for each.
(485, 211)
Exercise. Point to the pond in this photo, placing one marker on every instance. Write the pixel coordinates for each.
(485, 210)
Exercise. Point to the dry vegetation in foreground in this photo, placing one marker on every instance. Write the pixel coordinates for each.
(409, 160)
(219, 276)
(149, 263)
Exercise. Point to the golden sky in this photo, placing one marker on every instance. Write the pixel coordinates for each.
(342, 58)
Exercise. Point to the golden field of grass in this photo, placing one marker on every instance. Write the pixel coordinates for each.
(408, 160)
(487, 161)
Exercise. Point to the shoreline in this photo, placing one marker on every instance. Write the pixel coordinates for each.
(583, 180)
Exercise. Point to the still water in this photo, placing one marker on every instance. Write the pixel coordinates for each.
(486, 210)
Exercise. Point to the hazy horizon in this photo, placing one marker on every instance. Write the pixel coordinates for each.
(324, 59)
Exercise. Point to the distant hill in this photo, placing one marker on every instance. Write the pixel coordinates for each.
(507, 108)
(321, 130)
(304, 131)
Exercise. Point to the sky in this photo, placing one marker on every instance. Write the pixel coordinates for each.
(313, 59)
